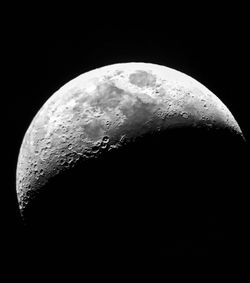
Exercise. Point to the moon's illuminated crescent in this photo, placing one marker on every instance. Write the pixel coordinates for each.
(102, 109)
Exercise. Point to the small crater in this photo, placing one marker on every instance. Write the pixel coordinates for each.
(108, 123)
(44, 153)
(123, 139)
(87, 153)
(63, 151)
(95, 149)
(67, 164)
(48, 144)
(77, 157)
(104, 146)
(35, 167)
(70, 159)
(62, 161)
(105, 139)
(184, 115)
(142, 79)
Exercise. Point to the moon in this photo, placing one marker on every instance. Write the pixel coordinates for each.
(105, 110)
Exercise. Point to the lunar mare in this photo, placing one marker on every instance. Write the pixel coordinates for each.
(103, 109)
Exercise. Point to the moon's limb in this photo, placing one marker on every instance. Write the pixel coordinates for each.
(100, 110)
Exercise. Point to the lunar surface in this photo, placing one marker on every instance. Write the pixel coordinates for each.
(104, 110)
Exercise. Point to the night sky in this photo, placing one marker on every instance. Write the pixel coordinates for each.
(40, 62)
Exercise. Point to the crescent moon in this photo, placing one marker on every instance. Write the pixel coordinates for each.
(105, 109)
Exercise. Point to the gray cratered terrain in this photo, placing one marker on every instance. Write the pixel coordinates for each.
(105, 109)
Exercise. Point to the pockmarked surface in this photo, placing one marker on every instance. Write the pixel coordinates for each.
(102, 110)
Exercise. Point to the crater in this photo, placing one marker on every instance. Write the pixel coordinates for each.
(142, 78)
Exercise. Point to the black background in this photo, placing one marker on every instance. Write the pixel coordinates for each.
(41, 59)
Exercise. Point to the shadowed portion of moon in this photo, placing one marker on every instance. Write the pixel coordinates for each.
(143, 197)
(127, 159)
